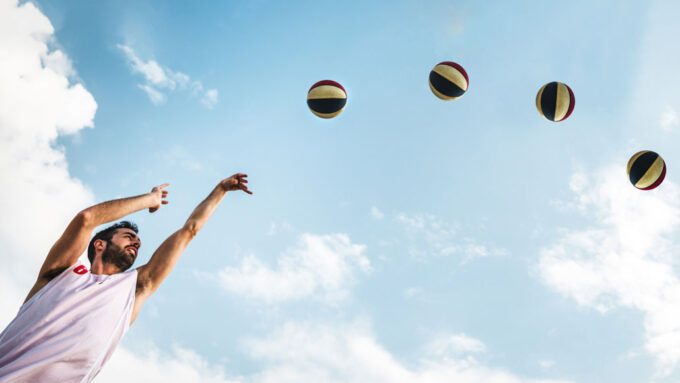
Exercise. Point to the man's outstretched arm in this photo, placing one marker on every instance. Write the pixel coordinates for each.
(163, 260)
(73, 242)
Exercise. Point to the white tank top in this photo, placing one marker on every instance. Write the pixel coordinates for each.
(68, 329)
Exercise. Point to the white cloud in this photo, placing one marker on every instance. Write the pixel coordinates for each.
(12, 294)
(377, 214)
(158, 79)
(669, 119)
(326, 353)
(37, 104)
(625, 259)
(313, 352)
(321, 265)
(59, 63)
(151, 365)
(431, 235)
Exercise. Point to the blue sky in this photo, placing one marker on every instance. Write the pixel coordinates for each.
(458, 240)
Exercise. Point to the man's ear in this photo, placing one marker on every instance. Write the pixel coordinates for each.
(99, 245)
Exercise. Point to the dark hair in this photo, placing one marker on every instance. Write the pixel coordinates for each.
(107, 234)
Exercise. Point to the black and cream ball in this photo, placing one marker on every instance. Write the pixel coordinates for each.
(448, 81)
(555, 101)
(327, 99)
(646, 170)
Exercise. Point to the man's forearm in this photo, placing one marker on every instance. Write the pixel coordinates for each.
(115, 209)
(204, 210)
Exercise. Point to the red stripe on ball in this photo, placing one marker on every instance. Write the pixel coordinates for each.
(572, 101)
(327, 82)
(460, 69)
(658, 181)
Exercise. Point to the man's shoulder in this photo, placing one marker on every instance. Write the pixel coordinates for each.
(50, 277)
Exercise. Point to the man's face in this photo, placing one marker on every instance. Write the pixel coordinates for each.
(121, 251)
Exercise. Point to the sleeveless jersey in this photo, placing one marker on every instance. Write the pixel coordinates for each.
(68, 329)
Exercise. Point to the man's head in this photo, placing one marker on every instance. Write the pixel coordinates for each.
(117, 244)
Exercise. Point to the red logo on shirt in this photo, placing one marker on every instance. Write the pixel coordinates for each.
(80, 270)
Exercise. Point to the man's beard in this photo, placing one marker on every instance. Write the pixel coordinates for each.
(117, 256)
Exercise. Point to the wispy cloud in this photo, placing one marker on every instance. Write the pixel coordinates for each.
(159, 79)
(155, 96)
(446, 346)
(413, 292)
(626, 258)
(431, 235)
(177, 156)
(320, 266)
(654, 98)
(669, 119)
(376, 213)
(276, 228)
(209, 99)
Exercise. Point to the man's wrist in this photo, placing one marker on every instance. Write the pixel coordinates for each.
(149, 200)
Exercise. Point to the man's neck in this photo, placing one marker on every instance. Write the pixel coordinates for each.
(101, 268)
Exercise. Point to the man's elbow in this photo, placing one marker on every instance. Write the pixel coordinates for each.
(191, 228)
(84, 219)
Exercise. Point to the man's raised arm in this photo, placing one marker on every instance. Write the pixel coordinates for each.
(163, 260)
(73, 242)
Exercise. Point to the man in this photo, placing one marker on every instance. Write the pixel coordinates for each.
(73, 318)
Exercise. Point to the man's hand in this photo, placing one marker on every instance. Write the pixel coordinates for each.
(159, 196)
(236, 182)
